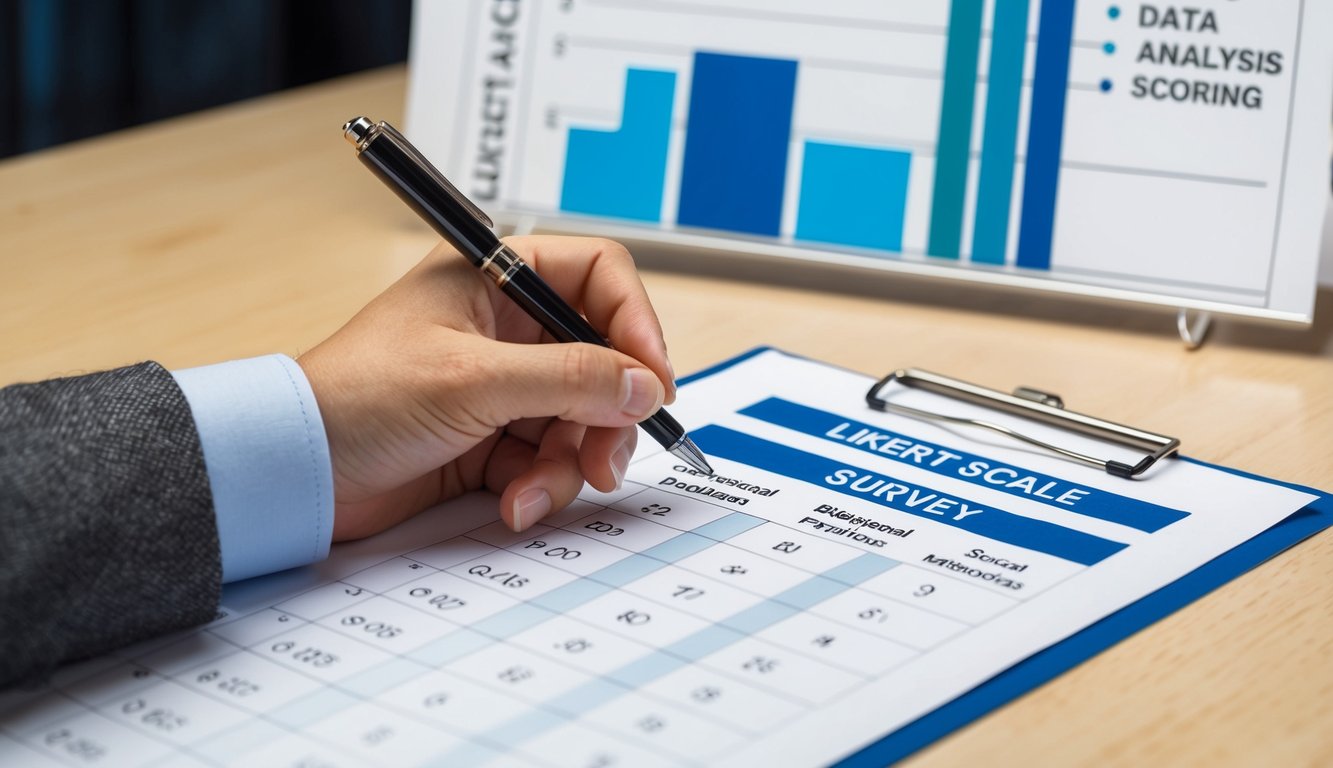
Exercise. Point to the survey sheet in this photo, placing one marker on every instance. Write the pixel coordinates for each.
(843, 573)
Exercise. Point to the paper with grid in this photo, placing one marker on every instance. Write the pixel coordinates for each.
(681, 620)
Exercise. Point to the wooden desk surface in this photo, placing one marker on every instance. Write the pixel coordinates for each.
(190, 242)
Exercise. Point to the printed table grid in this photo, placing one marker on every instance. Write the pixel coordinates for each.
(927, 575)
(274, 731)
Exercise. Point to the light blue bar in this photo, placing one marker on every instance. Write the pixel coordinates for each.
(1004, 90)
(632, 568)
(524, 727)
(591, 694)
(621, 173)
(810, 593)
(679, 547)
(463, 756)
(384, 676)
(855, 571)
(724, 528)
(513, 620)
(312, 707)
(757, 617)
(571, 595)
(247, 736)
(643, 671)
(853, 195)
(450, 647)
(704, 642)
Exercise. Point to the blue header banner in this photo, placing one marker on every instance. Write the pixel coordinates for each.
(968, 467)
(911, 498)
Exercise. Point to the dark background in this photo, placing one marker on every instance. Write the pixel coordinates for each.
(70, 69)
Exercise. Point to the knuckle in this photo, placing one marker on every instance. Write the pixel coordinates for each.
(465, 364)
(612, 251)
(584, 369)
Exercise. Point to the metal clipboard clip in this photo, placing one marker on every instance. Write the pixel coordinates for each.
(1033, 404)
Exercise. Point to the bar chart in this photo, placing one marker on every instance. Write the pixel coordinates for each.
(735, 160)
(1065, 145)
(740, 130)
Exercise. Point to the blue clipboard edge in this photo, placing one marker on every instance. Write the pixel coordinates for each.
(1081, 646)
(1046, 664)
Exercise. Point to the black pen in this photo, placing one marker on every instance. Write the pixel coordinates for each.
(410, 175)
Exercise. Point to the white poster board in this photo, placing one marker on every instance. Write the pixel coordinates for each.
(1138, 151)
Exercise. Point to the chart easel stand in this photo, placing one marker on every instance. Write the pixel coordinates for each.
(1193, 326)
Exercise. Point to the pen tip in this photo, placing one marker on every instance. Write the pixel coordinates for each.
(690, 454)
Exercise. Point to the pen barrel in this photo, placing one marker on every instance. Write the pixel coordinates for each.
(399, 165)
(415, 186)
(663, 428)
(543, 304)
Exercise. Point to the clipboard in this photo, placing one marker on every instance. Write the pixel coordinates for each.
(1032, 404)
(1055, 659)
(1047, 664)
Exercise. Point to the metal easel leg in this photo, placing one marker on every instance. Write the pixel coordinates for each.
(1193, 326)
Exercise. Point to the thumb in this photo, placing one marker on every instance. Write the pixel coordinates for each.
(583, 383)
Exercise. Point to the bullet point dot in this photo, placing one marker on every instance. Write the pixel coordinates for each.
(1113, 11)
(1109, 48)
(1105, 85)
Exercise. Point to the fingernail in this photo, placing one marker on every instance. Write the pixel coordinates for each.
(619, 463)
(530, 506)
(641, 393)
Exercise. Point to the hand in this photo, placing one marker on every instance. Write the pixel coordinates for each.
(438, 387)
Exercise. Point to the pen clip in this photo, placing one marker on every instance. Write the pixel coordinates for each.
(1032, 404)
(434, 172)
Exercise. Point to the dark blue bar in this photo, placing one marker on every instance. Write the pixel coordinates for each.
(998, 525)
(1046, 127)
(1100, 504)
(736, 143)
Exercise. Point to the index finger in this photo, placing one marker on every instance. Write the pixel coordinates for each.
(598, 278)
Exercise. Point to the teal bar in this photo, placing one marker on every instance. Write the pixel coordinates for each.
(954, 146)
(1004, 91)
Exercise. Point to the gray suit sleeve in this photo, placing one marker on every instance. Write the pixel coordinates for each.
(107, 530)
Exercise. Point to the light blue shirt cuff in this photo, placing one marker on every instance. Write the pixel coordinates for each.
(268, 463)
